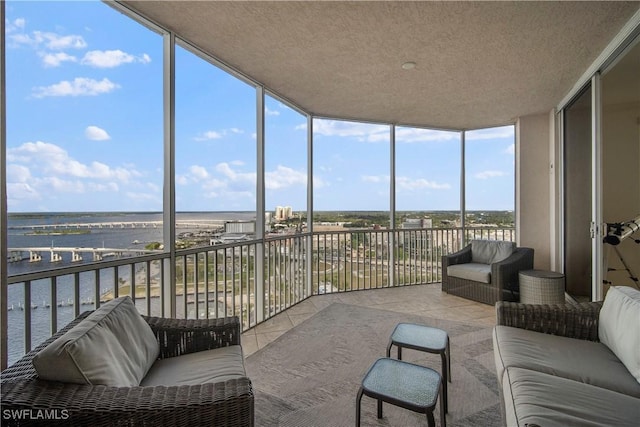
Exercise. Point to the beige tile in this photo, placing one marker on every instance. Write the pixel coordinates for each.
(296, 319)
(266, 338)
(249, 343)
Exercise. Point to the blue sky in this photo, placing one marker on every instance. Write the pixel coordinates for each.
(85, 132)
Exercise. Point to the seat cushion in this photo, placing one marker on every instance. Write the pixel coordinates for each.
(533, 397)
(113, 346)
(471, 271)
(209, 366)
(580, 360)
(490, 251)
(619, 326)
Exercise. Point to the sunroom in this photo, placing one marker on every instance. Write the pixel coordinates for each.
(407, 103)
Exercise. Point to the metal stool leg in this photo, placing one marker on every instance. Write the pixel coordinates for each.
(358, 399)
(430, 420)
(443, 418)
(449, 358)
(445, 371)
(379, 408)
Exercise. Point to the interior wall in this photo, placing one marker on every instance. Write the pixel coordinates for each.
(534, 173)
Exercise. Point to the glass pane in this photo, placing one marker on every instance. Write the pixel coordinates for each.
(351, 167)
(621, 164)
(84, 132)
(490, 182)
(215, 152)
(427, 177)
(285, 166)
(578, 195)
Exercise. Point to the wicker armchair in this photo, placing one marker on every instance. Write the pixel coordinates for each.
(28, 400)
(504, 276)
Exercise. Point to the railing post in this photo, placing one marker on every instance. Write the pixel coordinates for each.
(169, 204)
(4, 357)
(260, 205)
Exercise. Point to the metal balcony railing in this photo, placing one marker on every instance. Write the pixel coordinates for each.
(254, 279)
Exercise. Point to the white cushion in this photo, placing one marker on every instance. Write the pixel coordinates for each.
(490, 251)
(619, 326)
(113, 346)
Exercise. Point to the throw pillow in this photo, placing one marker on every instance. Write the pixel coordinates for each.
(619, 326)
(490, 251)
(113, 346)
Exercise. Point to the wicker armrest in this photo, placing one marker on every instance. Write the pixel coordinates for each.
(505, 272)
(574, 321)
(462, 256)
(227, 403)
(183, 336)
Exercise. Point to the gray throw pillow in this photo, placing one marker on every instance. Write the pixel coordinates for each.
(113, 346)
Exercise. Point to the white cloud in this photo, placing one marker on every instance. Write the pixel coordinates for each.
(409, 135)
(361, 131)
(17, 191)
(47, 40)
(283, 177)
(199, 172)
(55, 59)
(95, 133)
(111, 58)
(491, 133)
(269, 112)
(54, 161)
(208, 135)
(80, 86)
(489, 174)
(375, 179)
(511, 149)
(214, 134)
(405, 183)
(15, 25)
(18, 173)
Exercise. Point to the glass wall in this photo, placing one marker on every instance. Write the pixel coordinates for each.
(490, 177)
(84, 153)
(285, 167)
(215, 138)
(351, 168)
(427, 177)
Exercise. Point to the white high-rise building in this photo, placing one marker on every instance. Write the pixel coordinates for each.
(283, 213)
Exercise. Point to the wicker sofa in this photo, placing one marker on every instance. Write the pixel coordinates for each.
(570, 365)
(486, 271)
(196, 377)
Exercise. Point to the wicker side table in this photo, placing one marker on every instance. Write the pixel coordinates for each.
(541, 287)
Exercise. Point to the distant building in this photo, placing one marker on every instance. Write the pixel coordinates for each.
(418, 242)
(414, 223)
(240, 227)
(283, 213)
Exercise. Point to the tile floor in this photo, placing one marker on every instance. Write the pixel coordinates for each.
(426, 300)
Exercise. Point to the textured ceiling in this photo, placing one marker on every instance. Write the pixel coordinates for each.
(479, 64)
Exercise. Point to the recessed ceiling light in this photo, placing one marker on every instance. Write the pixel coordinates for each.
(408, 65)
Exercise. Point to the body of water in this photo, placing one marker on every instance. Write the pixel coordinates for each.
(116, 237)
